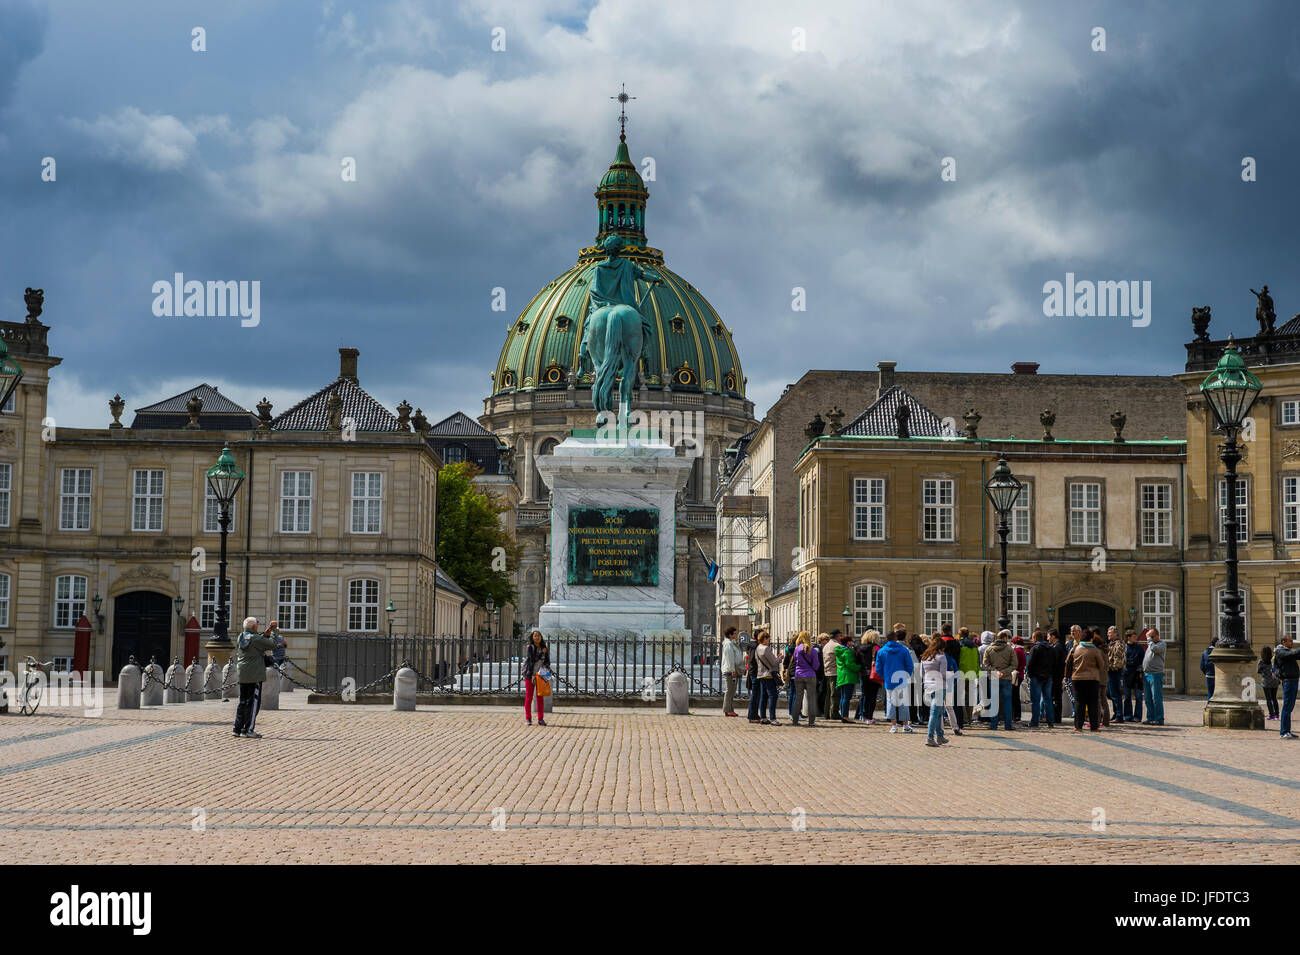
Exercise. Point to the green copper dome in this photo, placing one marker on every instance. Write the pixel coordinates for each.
(690, 349)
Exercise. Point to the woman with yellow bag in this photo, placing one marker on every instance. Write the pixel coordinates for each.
(536, 675)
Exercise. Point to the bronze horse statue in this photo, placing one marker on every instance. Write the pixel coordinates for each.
(617, 331)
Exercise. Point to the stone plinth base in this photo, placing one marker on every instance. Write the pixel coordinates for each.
(1236, 689)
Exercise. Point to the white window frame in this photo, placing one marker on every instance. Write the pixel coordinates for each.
(1022, 517)
(208, 604)
(1292, 405)
(6, 491)
(936, 510)
(295, 508)
(1243, 509)
(1152, 613)
(933, 612)
(1083, 514)
(1020, 603)
(1161, 514)
(212, 511)
(11, 403)
(869, 509)
(77, 499)
(1219, 593)
(868, 614)
(1289, 617)
(294, 611)
(454, 454)
(1290, 507)
(5, 583)
(367, 507)
(69, 605)
(360, 605)
(148, 502)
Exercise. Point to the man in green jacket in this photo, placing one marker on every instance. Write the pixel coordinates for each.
(251, 650)
(848, 672)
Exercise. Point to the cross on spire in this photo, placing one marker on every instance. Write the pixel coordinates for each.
(622, 98)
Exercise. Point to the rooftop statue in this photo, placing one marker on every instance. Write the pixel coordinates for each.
(616, 331)
(1264, 311)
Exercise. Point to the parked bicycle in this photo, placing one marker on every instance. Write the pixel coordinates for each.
(35, 677)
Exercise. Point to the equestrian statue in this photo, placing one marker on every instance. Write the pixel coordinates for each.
(617, 331)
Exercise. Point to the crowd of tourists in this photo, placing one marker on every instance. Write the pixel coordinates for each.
(947, 682)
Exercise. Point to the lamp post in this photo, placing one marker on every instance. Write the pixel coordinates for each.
(848, 618)
(1003, 490)
(390, 610)
(1230, 390)
(98, 603)
(1051, 616)
(490, 606)
(224, 480)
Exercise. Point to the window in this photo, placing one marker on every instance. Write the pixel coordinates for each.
(1018, 609)
(869, 509)
(61, 664)
(208, 602)
(1291, 612)
(367, 488)
(4, 600)
(1243, 520)
(147, 501)
(74, 499)
(212, 512)
(8, 407)
(1220, 594)
(1157, 515)
(936, 495)
(295, 502)
(1021, 528)
(868, 608)
(453, 454)
(938, 601)
(363, 606)
(1085, 513)
(69, 600)
(1158, 611)
(1290, 507)
(6, 486)
(291, 605)
(1290, 412)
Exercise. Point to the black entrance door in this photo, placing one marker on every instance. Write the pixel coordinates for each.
(1086, 613)
(142, 628)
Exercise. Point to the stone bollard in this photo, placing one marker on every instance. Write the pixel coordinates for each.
(677, 693)
(193, 682)
(212, 681)
(286, 684)
(151, 690)
(270, 690)
(404, 690)
(128, 687)
(230, 680)
(548, 703)
(170, 693)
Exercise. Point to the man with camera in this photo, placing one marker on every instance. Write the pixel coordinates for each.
(252, 664)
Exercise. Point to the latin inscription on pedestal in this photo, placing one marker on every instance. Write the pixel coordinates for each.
(614, 546)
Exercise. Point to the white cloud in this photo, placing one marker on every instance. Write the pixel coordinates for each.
(158, 142)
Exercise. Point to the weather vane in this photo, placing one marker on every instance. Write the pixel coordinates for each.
(622, 98)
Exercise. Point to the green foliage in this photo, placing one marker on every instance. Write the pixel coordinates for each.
(470, 533)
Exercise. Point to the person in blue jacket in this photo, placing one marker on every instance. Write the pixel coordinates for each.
(1207, 667)
(895, 664)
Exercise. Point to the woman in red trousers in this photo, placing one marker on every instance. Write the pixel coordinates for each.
(538, 657)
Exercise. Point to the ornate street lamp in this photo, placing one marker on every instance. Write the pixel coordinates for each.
(490, 606)
(1003, 491)
(1230, 390)
(10, 374)
(1051, 616)
(390, 610)
(848, 617)
(98, 602)
(179, 603)
(224, 479)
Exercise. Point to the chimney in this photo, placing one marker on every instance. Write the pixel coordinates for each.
(1024, 367)
(886, 370)
(348, 364)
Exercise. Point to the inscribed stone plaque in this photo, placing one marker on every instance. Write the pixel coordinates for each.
(614, 546)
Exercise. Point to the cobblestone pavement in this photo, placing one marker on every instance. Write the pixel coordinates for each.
(366, 784)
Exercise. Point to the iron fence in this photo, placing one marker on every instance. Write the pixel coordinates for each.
(606, 666)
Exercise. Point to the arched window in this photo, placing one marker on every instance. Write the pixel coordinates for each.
(291, 603)
(868, 608)
(939, 606)
(540, 490)
(363, 605)
(208, 601)
(69, 600)
(1158, 610)
(1019, 604)
(1290, 622)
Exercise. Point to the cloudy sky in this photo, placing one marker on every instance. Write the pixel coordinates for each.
(776, 168)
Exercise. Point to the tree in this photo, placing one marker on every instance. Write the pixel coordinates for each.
(473, 546)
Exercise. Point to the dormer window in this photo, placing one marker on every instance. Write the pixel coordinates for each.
(562, 322)
(718, 329)
(521, 326)
(553, 375)
(685, 375)
(507, 379)
(678, 324)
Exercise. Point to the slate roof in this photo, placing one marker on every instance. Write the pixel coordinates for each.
(880, 418)
(219, 412)
(789, 586)
(311, 413)
(446, 583)
(1290, 327)
(459, 425)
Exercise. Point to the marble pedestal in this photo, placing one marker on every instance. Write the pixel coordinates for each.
(1234, 704)
(595, 470)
